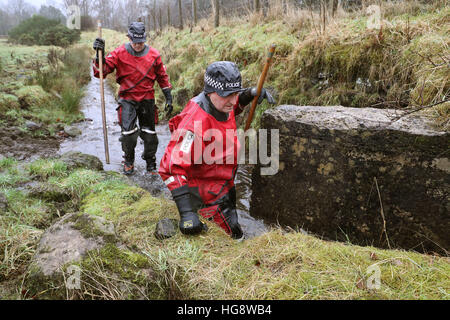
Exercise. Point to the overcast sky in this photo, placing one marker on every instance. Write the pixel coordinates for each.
(37, 3)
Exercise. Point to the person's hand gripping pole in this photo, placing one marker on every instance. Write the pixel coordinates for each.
(262, 78)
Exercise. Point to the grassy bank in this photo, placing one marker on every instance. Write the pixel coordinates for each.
(41, 84)
(402, 65)
(276, 265)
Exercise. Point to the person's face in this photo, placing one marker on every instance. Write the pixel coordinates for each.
(138, 47)
(224, 104)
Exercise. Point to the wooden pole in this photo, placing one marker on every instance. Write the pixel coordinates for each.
(102, 94)
(262, 78)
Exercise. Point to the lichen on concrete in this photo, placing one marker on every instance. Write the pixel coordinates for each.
(337, 153)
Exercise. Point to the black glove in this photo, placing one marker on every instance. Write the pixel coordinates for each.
(189, 221)
(248, 94)
(168, 95)
(99, 44)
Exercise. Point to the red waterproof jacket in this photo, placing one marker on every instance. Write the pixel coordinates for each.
(135, 72)
(203, 150)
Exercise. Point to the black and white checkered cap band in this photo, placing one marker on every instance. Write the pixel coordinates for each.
(220, 85)
(137, 35)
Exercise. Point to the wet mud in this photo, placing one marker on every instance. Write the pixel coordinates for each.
(21, 145)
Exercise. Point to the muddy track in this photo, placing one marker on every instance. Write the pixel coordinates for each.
(15, 143)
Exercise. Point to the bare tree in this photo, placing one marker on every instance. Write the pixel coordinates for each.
(168, 15)
(180, 12)
(216, 13)
(154, 16)
(334, 6)
(118, 21)
(20, 10)
(194, 11)
(160, 19)
(257, 5)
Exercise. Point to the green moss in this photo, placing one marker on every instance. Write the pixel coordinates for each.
(93, 227)
(125, 263)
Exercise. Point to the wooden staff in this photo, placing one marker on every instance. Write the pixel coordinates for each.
(262, 78)
(102, 94)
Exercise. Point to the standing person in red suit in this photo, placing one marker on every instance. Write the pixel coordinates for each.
(137, 67)
(200, 161)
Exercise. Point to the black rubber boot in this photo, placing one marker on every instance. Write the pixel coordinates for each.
(151, 165)
(189, 221)
(150, 147)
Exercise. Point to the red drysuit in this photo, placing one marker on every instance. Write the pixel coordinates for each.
(136, 72)
(203, 150)
(131, 69)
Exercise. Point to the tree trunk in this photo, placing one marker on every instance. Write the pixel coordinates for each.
(216, 13)
(168, 15)
(194, 11)
(323, 15)
(180, 13)
(149, 19)
(334, 6)
(154, 16)
(160, 19)
(257, 5)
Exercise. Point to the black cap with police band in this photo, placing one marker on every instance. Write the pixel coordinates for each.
(136, 32)
(223, 77)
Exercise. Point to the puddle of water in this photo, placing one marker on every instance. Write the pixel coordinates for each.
(91, 142)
